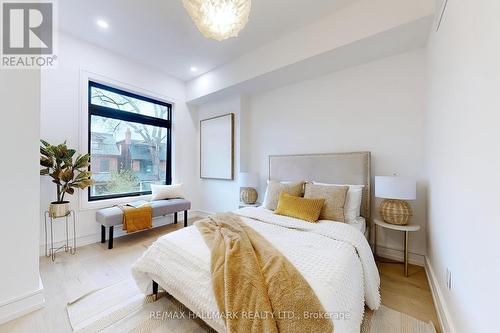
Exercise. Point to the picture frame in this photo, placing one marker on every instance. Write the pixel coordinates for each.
(217, 147)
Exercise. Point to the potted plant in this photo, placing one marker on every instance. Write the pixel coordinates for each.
(67, 173)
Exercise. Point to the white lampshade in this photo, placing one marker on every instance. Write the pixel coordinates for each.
(248, 179)
(395, 187)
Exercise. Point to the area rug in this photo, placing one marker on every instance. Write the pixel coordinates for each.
(386, 320)
(121, 307)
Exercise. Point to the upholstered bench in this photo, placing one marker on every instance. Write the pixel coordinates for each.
(109, 217)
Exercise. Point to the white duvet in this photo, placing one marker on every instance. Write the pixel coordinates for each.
(333, 257)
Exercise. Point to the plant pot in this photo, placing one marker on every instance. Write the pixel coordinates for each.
(59, 209)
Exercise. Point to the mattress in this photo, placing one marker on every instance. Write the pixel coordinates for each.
(335, 260)
(359, 223)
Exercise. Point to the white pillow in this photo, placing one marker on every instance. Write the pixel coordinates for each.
(352, 206)
(159, 192)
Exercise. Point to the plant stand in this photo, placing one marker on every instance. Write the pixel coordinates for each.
(51, 251)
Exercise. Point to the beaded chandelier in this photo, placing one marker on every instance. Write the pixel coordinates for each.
(219, 19)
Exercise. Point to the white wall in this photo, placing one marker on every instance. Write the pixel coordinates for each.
(220, 195)
(377, 107)
(62, 105)
(463, 163)
(20, 193)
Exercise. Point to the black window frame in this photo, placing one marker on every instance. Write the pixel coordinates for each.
(103, 111)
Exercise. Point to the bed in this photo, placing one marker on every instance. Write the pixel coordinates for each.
(334, 258)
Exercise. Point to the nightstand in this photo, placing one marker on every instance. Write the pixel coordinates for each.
(404, 228)
(243, 205)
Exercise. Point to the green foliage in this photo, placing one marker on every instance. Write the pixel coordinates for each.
(122, 181)
(66, 171)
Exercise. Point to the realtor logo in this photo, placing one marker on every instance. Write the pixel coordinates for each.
(27, 34)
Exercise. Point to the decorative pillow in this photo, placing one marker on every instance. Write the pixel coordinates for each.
(300, 208)
(335, 197)
(352, 207)
(274, 189)
(159, 192)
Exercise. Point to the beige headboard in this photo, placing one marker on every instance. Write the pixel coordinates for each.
(336, 168)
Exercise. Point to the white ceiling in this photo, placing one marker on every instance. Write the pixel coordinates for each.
(161, 34)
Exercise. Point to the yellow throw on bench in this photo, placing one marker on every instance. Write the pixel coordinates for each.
(255, 286)
(135, 219)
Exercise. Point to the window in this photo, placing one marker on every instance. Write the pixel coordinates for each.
(129, 142)
(146, 166)
(104, 166)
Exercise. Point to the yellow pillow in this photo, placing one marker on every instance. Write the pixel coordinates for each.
(300, 208)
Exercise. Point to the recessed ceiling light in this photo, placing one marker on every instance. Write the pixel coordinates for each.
(194, 69)
(103, 24)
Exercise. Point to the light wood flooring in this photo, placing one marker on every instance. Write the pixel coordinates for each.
(411, 295)
(95, 266)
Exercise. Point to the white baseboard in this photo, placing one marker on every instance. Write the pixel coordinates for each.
(96, 237)
(203, 213)
(22, 305)
(393, 254)
(80, 241)
(439, 301)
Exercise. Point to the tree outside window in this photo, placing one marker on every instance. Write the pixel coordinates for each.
(129, 142)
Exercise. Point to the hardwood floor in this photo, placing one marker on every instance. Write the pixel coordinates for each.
(410, 295)
(94, 266)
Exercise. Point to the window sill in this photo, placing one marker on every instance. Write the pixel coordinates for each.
(105, 203)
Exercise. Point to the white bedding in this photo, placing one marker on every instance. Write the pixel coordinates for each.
(359, 223)
(333, 257)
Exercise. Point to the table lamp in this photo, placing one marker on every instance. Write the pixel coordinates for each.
(248, 182)
(395, 190)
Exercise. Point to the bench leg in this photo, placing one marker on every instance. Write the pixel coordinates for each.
(103, 234)
(175, 218)
(110, 242)
(155, 290)
(185, 218)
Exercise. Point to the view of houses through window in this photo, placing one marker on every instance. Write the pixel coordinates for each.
(129, 142)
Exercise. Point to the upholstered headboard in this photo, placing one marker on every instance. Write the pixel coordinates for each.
(336, 168)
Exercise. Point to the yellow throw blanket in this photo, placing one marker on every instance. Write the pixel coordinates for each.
(135, 219)
(255, 286)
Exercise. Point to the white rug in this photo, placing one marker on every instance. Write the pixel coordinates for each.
(123, 308)
(386, 320)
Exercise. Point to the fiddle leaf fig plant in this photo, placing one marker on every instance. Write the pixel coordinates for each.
(67, 171)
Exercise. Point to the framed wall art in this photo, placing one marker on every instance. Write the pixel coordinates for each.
(217, 147)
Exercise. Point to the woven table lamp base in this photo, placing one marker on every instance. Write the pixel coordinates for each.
(395, 211)
(248, 195)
